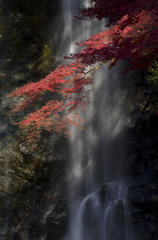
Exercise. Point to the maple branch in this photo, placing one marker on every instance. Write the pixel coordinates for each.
(94, 69)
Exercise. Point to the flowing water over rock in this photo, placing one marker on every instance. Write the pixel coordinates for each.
(99, 208)
(101, 215)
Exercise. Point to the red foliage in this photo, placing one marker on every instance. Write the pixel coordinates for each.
(67, 80)
(134, 36)
(115, 10)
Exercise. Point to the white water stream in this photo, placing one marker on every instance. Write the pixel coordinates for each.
(99, 206)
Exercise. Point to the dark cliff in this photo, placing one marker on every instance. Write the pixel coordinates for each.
(32, 178)
(143, 155)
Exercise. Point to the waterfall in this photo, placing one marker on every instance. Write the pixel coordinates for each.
(99, 206)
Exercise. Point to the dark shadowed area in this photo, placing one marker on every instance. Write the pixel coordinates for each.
(16, 237)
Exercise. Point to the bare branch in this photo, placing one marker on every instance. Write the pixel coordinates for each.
(94, 69)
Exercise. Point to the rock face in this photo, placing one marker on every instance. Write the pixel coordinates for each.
(143, 142)
(32, 178)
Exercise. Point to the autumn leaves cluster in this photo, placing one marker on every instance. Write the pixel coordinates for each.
(132, 35)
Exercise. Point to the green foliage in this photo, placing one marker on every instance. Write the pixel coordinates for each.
(46, 61)
(23, 164)
(152, 80)
(153, 71)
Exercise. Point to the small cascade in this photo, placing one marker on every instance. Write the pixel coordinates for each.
(101, 215)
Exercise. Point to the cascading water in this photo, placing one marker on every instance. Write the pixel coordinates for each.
(99, 195)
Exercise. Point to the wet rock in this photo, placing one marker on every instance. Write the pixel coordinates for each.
(57, 220)
(36, 230)
(102, 192)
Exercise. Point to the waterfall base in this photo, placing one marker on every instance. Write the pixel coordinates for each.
(102, 215)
